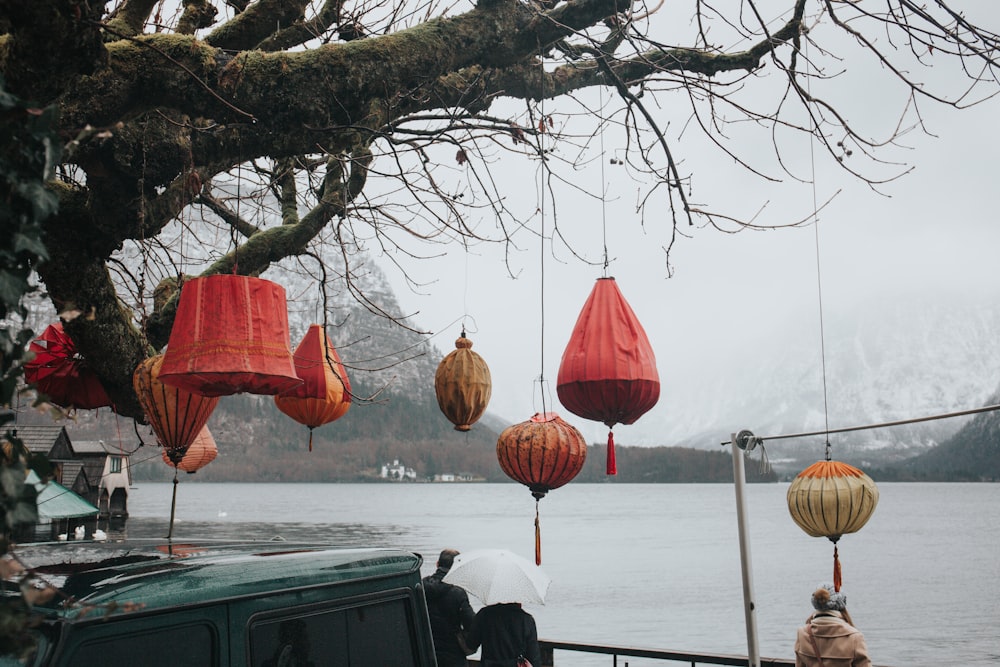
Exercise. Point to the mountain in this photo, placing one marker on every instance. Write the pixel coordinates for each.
(885, 361)
(972, 454)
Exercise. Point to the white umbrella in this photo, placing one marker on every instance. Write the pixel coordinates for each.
(498, 576)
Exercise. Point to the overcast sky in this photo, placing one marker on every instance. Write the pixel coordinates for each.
(936, 228)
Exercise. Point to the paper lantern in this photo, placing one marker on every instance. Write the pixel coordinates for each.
(608, 369)
(198, 454)
(463, 385)
(61, 374)
(230, 336)
(325, 392)
(542, 453)
(830, 499)
(176, 415)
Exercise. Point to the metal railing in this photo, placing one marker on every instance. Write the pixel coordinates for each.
(693, 659)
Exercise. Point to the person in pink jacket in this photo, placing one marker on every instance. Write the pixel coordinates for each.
(829, 638)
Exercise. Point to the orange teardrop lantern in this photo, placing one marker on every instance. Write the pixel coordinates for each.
(542, 453)
(199, 453)
(230, 336)
(463, 385)
(829, 499)
(175, 415)
(325, 392)
(608, 369)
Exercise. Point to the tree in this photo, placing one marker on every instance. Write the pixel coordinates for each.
(207, 137)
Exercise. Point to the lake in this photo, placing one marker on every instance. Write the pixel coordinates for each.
(658, 566)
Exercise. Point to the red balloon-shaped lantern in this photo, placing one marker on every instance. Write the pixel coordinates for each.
(463, 385)
(608, 369)
(230, 335)
(61, 374)
(542, 453)
(199, 453)
(325, 392)
(175, 415)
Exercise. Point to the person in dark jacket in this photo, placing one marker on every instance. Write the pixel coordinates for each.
(450, 613)
(506, 632)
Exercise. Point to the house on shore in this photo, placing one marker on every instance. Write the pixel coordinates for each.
(94, 470)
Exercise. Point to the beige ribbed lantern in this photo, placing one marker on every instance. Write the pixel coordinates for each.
(463, 385)
(829, 499)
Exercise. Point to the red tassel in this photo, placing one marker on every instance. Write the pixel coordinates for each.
(310, 440)
(538, 538)
(612, 468)
(836, 570)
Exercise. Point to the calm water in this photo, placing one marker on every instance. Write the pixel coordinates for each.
(658, 565)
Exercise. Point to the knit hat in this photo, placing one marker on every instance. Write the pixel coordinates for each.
(825, 598)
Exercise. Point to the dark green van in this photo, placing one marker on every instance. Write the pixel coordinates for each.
(260, 604)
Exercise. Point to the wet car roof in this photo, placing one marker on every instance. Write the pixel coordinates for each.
(157, 574)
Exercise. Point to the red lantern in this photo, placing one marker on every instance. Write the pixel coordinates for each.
(61, 374)
(230, 335)
(175, 415)
(542, 453)
(199, 453)
(463, 385)
(325, 392)
(608, 369)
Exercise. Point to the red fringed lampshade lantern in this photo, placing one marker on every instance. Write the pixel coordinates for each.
(61, 374)
(325, 392)
(542, 453)
(199, 453)
(230, 335)
(608, 369)
(463, 385)
(829, 499)
(175, 415)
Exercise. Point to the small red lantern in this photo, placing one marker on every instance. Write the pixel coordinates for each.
(608, 369)
(199, 453)
(829, 499)
(61, 374)
(230, 335)
(325, 392)
(542, 453)
(463, 385)
(175, 415)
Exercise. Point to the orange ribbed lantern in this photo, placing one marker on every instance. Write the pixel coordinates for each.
(463, 385)
(542, 453)
(199, 453)
(608, 369)
(829, 499)
(175, 415)
(325, 392)
(230, 336)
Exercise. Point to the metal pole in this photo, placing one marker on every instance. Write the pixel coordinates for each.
(741, 441)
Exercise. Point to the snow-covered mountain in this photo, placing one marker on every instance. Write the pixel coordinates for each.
(885, 361)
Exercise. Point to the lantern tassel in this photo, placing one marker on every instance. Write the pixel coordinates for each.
(612, 466)
(836, 570)
(310, 440)
(538, 538)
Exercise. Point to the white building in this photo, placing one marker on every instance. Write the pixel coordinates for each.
(397, 471)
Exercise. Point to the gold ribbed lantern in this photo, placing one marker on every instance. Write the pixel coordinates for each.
(463, 385)
(829, 499)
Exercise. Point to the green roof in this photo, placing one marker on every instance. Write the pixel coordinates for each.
(158, 574)
(55, 501)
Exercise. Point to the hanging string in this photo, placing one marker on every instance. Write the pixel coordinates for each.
(604, 220)
(541, 254)
(819, 278)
